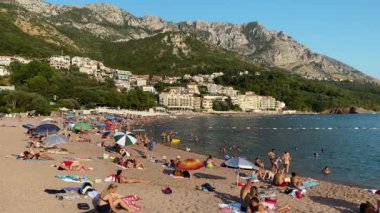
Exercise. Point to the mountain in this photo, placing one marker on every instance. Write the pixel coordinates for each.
(101, 30)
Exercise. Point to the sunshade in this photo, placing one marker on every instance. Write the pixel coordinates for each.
(46, 129)
(82, 126)
(125, 138)
(101, 125)
(55, 139)
(190, 164)
(240, 163)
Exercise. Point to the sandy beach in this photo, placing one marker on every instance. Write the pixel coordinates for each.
(23, 182)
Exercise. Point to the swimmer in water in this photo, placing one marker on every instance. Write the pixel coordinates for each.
(316, 154)
(326, 170)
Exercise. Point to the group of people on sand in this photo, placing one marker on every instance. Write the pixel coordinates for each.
(251, 201)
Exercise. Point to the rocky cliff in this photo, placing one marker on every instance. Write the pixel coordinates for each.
(251, 40)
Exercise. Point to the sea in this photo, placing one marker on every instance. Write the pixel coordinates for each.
(348, 144)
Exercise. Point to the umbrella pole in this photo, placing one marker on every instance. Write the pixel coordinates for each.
(237, 177)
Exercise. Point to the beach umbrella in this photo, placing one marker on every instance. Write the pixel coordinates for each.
(46, 129)
(28, 126)
(125, 138)
(190, 164)
(82, 126)
(101, 125)
(56, 139)
(240, 163)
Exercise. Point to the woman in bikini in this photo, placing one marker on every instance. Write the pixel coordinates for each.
(122, 179)
(256, 206)
(109, 200)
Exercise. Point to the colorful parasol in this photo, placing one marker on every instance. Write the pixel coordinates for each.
(190, 164)
(82, 126)
(125, 138)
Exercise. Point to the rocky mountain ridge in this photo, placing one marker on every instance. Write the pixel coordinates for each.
(251, 40)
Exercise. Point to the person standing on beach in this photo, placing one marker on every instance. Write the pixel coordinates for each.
(286, 159)
(146, 142)
(272, 156)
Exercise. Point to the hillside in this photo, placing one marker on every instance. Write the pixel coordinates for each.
(92, 29)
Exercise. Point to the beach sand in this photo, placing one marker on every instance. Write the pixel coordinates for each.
(23, 182)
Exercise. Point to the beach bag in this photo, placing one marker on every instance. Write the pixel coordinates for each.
(177, 172)
(83, 206)
(208, 187)
(86, 187)
(186, 174)
(167, 190)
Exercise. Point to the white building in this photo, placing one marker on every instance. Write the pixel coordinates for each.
(193, 88)
(247, 102)
(12, 88)
(178, 98)
(121, 75)
(268, 103)
(60, 62)
(140, 82)
(4, 71)
(5, 60)
(149, 88)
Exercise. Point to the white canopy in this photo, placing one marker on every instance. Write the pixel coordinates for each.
(240, 163)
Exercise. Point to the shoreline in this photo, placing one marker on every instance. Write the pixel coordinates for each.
(327, 197)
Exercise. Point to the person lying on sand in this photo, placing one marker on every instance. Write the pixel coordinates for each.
(296, 181)
(109, 200)
(367, 207)
(71, 166)
(29, 155)
(134, 163)
(58, 151)
(119, 178)
(256, 206)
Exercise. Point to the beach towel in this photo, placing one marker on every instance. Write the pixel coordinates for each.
(177, 177)
(71, 189)
(231, 207)
(308, 184)
(130, 201)
(110, 178)
(375, 191)
(73, 178)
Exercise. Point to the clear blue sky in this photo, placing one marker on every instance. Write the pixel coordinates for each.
(348, 30)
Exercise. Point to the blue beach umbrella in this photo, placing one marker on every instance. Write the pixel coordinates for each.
(101, 125)
(46, 129)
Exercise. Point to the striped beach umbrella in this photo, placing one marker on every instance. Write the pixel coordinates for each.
(125, 138)
(190, 164)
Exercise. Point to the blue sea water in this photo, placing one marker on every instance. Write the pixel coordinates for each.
(350, 143)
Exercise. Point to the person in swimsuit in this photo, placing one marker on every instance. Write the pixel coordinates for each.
(286, 159)
(122, 179)
(108, 200)
(272, 156)
(326, 170)
(29, 155)
(367, 207)
(256, 206)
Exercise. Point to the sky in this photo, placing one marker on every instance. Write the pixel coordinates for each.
(347, 30)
